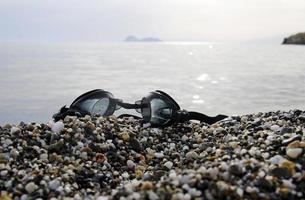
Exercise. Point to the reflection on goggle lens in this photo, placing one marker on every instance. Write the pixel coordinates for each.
(160, 112)
(100, 107)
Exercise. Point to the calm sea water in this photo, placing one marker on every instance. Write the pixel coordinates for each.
(36, 80)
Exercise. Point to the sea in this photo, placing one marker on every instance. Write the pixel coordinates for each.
(211, 78)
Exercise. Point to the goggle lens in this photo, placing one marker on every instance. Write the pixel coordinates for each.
(100, 107)
(160, 112)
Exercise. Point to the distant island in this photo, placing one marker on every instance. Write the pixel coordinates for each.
(132, 38)
(298, 38)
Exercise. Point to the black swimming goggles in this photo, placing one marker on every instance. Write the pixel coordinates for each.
(157, 108)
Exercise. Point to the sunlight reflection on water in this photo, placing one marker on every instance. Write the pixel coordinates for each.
(36, 80)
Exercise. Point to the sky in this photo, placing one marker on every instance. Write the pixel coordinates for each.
(169, 20)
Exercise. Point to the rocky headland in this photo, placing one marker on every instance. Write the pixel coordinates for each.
(132, 38)
(256, 156)
(295, 39)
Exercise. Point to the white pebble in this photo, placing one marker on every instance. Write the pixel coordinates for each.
(159, 155)
(84, 155)
(31, 187)
(54, 184)
(276, 159)
(15, 130)
(184, 138)
(168, 164)
(14, 153)
(265, 155)
(102, 198)
(275, 128)
(261, 174)
(57, 127)
(24, 197)
(293, 152)
(240, 192)
(152, 196)
(44, 157)
(191, 155)
(243, 151)
(67, 188)
(131, 164)
(3, 173)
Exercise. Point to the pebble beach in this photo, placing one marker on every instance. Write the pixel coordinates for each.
(255, 156)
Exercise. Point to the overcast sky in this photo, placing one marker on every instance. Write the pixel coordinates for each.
(172, 20)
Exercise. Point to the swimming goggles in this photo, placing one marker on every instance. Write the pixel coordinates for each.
(157, 108)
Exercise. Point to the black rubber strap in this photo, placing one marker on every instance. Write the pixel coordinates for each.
(204, 118)
(129, 115)
(129, 105)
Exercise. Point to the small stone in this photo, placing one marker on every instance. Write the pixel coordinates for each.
(84, 155)
(294, 152)
(57, 127)
(222, 186)
(236, 170)
(294, 144)
(5, 196)
(135, 145)
(168, 164)
(3, 158)
(147, 185)
(3, 173)
(24, 197)
(292, 139)
(44, 157)
(265, 155)
(152, 196)
(131, 164)
(159, 155)
(233, 144)
(219, 130)
(15, 130)
(277, 159)
(54, 184)
(191, 155)
(102, 198)
(100, 158)
(240, 192)
(124, 136)
(275, 128)
(280, 173)
(31, 187)
(139, 173)
(184, 138)
(67, 189)
(290, 166)
(14, 153)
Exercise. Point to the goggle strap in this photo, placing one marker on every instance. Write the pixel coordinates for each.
(129, 115)
(64, 111)
(130, 105)
(182, 116)
(206, 119)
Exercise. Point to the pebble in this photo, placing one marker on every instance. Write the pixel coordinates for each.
(102, 198)
(58, 126)
(256, 156)
(131, 164)
(31, 187)
(168, 164)
(54, 184)
(191, 155)
(15, 130)
(44, 157)
(294, 152)
(159, 155)
(292, 139)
